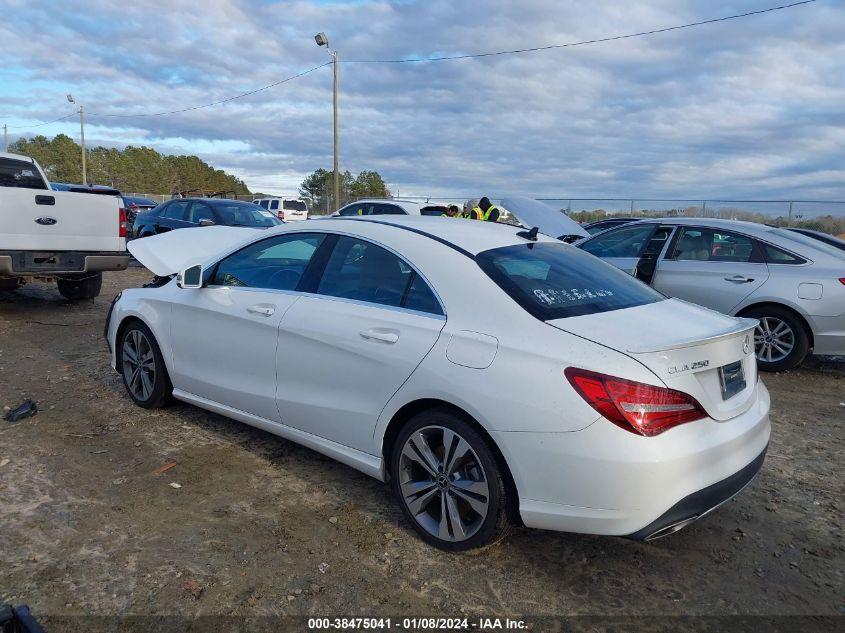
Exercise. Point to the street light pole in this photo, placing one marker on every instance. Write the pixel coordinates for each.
(5, 138)
(323, 40)
(82, 139)
(337, 202)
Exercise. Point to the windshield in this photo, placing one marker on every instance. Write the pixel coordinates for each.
(555, 281)
(19, 173)
(244, 214)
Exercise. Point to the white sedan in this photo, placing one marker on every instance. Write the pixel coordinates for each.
(491, 375)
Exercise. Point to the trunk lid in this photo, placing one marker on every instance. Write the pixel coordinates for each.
(690, 348)
(550, 221)
(170, 253)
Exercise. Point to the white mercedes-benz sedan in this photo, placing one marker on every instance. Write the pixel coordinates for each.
(492, 375)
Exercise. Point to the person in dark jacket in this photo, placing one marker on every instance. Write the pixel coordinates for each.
(489, 212)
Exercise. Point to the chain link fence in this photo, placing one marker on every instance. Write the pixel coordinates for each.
(821, 215)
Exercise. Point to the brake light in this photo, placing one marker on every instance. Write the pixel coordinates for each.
(636, 407)
(842, 280)
(121, 214)
(281, 214)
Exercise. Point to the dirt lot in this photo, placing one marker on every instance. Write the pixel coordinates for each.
(261, 526)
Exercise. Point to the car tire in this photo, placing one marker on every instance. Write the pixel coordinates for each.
(148, 384)
(78, 287)
(449, 515)
(10, 284)
(781, 340)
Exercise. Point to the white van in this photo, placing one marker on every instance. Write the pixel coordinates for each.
(288, 209)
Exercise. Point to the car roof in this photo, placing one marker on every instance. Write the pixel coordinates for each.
(469, 236)
(716, 223)
(411, 206)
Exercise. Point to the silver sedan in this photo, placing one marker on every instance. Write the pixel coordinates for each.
(792, 283)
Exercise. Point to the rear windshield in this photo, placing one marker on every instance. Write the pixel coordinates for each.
(294, 205)
(19, 173)
(555, 281)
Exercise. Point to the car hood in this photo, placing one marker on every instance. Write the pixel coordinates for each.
(551, 222)
(170, 253)
(682, 344)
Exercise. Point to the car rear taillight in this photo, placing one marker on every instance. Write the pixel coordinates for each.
(842, 280)
(634, 406)
(121, 215)
(281, 214)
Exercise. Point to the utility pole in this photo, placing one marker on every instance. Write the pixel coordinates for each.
(5, 138)
(323, 40)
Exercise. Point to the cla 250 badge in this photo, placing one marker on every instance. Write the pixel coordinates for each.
(46, 221)
(677, 369)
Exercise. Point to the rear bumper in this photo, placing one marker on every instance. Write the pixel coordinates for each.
(26, 263)
(604, 480)
(828, 335)
(699, 503)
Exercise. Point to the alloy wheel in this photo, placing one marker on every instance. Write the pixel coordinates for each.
(443, 483)
(139, 367)
(774, 340)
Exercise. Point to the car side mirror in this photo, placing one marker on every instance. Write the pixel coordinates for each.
(190, 277)
(206, 222)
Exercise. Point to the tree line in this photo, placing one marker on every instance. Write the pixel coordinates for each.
(132, 169)
(318, 188)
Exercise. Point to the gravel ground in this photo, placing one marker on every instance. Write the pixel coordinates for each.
(89, 525)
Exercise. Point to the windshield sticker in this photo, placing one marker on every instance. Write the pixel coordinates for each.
(552, 296)
(266, 214)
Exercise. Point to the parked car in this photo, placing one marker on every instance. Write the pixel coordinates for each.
(794, 284)
(182, 213)
(602, 225)
(379, 206)
(51, 234)
(103, 190)
(135, 205)
(287, 209)
(832, 240)
(491, 374)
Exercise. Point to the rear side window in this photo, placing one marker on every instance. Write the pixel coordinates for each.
(19, 173)
(276, 263)
(294, 205)
(387, 209)
(775, 255)
(362, 271)
(556, 281)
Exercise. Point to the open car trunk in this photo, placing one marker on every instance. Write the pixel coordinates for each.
(172, 252)
(703, 353)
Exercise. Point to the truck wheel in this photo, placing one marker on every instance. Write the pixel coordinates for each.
(9, 284)
(80, 286)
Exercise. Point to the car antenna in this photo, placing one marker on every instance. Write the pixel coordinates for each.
(530, 235)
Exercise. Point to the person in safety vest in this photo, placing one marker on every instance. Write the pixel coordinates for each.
(486, 211)
(471, 211)
(452, 211)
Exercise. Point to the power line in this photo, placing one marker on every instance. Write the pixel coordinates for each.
(214, 103)
(444, 58)
(61, 118)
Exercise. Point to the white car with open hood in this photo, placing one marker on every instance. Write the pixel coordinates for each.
(493, 376)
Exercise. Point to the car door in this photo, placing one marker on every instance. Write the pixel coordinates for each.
(621, 246)
(173, 216)
(225, 334)
(712, 267)
(348, 346)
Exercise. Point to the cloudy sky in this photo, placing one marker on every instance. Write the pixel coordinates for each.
(751, 108)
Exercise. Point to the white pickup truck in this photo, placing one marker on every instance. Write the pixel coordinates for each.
(62, 235)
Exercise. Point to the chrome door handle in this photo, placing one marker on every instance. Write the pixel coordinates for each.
(739, 279)
(262, 310)
(385, 336)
